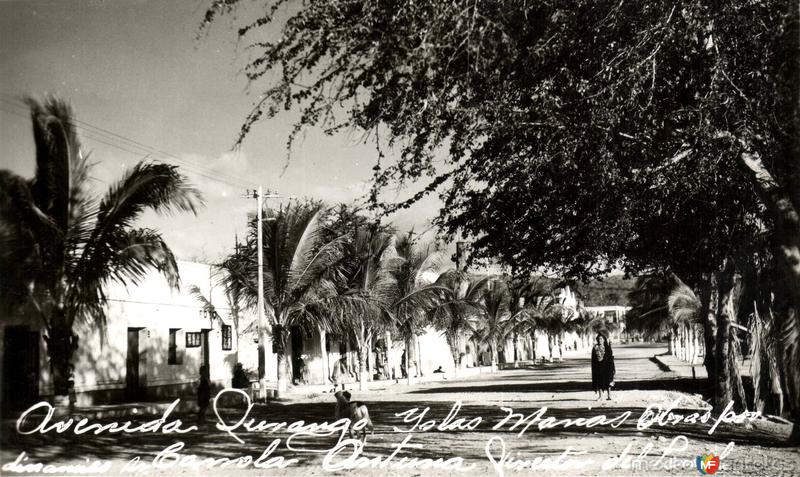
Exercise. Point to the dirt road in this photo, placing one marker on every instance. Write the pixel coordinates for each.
(567, 432)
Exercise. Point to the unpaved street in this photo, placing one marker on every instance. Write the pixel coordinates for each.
(562, 388)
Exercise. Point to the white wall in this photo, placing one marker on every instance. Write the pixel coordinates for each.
(100, 360)
(434, 351)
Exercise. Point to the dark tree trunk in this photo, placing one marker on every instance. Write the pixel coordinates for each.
(279, 340)
(409, 344)
(780, 195)
(726, 314)
(709, 328)
(61, 346)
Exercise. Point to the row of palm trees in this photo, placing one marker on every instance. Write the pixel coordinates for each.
(335, 270)
(61, 245)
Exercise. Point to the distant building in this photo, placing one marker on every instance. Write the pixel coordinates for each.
(613, 314)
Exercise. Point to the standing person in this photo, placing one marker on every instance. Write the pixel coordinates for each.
(380, 363)
(403, 370)
(603, 369)
(203, 394)
(339, 373)
(240, 379)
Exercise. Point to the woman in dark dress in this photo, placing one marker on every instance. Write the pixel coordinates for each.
(603, 369)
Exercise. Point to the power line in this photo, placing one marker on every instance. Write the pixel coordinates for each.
(145, 150)
(132, 146)
(91, 135)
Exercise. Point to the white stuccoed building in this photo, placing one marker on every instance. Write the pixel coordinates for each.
(155, 341)
(157, 338)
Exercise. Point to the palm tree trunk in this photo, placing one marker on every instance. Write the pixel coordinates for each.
(516, 355)
(671, 343)
(687, 343)
(283, 381)
(363, 350)
(61, 345)
(456, 352)
(280, 341)
(493, 352)
(409, 344)
(419, 357)
(550, 345)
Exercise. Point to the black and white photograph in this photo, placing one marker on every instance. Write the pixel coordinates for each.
(409, 238)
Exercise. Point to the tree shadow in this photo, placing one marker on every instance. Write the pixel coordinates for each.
(210, 442)
(686, 385)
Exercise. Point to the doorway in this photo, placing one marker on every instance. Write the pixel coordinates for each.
(136, 364)
(297, 351)
(21, 367)
(205, 350)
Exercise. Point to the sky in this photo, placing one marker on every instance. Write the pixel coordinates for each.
(142, 82)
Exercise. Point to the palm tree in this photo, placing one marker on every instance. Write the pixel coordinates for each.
(496, 322)
(590, 324)
(78, 244)
(684, 309)
(531, 304)
(552, 324)
(365, 305)
(649, 313)
(300, 272)
(21, 222)
(419, 268)
(459, 307)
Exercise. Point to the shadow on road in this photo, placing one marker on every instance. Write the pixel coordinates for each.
(686, 385)
(212, 443)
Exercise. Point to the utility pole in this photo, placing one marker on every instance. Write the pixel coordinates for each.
(262, 321)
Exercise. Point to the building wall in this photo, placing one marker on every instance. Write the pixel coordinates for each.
(152, 309)
(312, 352)
(433, 351)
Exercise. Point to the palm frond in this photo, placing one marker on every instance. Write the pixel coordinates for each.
(305, 246)
(126, 258)
(61, 169)
(684, 306)
(153, 186)
(205, 303)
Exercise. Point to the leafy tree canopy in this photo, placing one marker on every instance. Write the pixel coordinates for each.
(591, 133)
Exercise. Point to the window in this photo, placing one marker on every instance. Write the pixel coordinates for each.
(226, 338)
(175, 355)
(193, 340)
